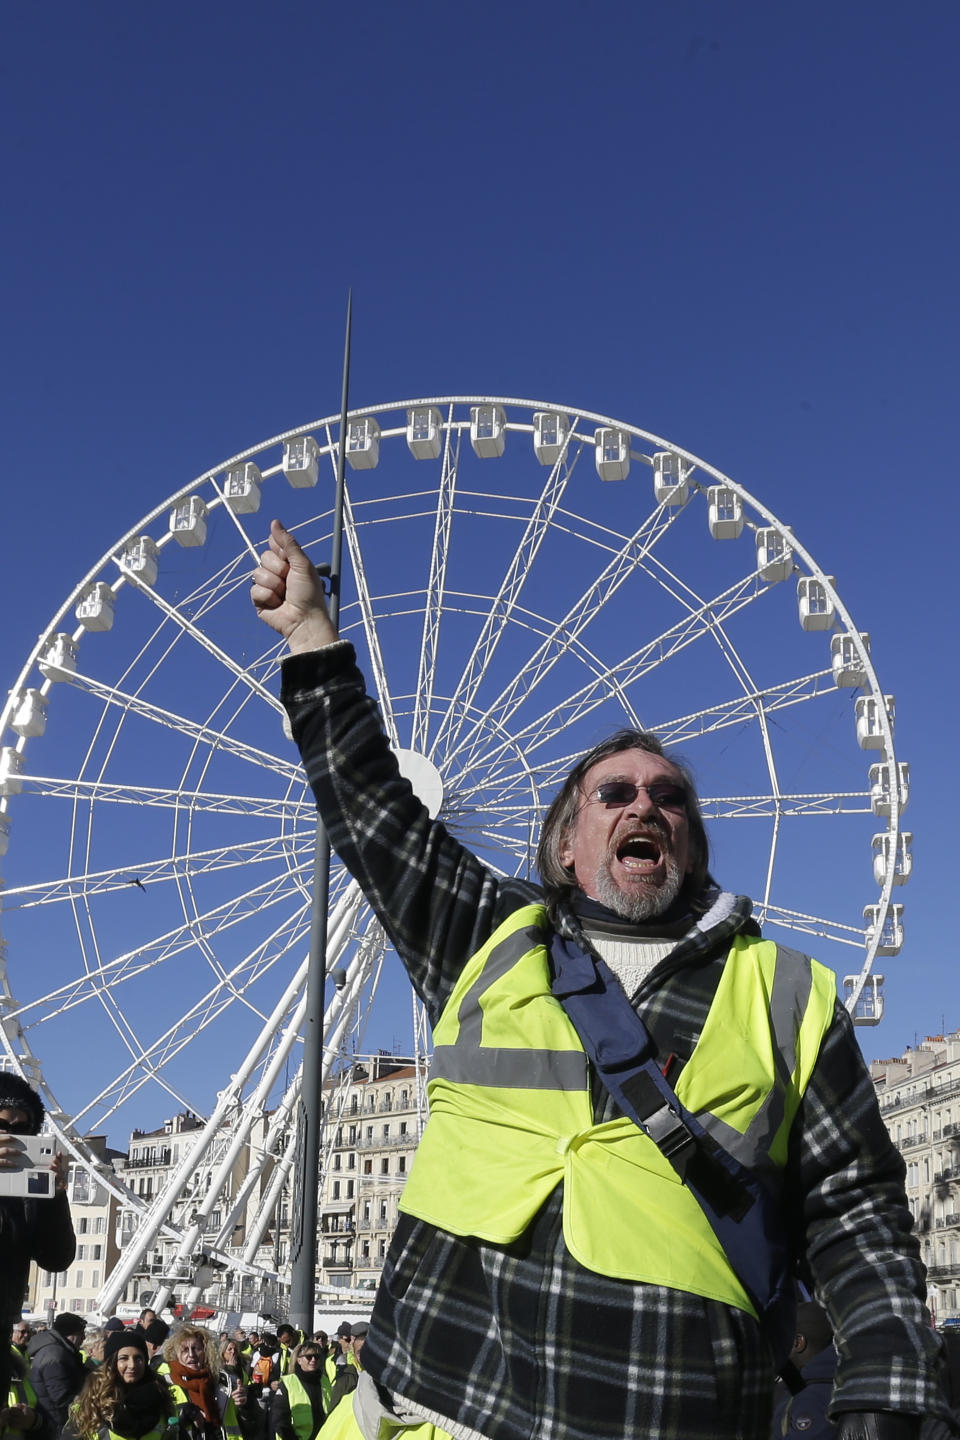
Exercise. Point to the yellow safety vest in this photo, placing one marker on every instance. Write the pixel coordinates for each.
(343, 1425)
(301, 1411)
(105, 1433)
(21, 1392)
(228, 1421)
(511, 1114)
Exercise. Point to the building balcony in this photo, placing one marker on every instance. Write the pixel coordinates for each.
(913, 1140)
(386, 1142)
(943, 1273)
(158, 1161)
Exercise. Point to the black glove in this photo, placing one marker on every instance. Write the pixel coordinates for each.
(878, 1425)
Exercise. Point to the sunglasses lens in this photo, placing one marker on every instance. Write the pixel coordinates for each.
(667, 797)
(616, 792)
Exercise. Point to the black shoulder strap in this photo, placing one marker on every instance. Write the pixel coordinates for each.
(739, 1208)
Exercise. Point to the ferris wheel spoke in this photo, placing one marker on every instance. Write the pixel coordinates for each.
(578, 617)
(551, 724)
(102, 792)
(141, 873)
(152, 1062)
(191, 729)
(742, 709)
(202, 639)
(111, 975)
(502, 607)
(803, 924)
(743, 807)
(374, 649)
(436, 582)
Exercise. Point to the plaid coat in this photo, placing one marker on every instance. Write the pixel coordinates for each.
(521, 1342)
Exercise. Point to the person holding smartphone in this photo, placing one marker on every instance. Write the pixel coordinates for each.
(30, 1229)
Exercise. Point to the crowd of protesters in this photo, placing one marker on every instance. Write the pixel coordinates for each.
(146, 1381)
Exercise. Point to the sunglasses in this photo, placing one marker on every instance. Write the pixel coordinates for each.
(617, 793)
(312, 1356)
(15, 1127)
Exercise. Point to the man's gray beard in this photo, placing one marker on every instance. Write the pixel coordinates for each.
(639, 905)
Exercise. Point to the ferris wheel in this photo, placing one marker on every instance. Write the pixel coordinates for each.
(522, 578)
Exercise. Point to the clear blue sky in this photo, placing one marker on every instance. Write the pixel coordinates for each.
(734, 225)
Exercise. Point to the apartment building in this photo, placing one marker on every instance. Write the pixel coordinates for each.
(95, 1220)
(373, 1116)
(919, 1094)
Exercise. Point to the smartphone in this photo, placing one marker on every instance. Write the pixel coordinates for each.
(33, 1178)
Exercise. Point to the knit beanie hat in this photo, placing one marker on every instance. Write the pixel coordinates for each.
(125, 1340)
(156, 1332)
(69, 1324)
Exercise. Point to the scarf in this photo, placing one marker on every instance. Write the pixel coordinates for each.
(200, 1387)
(139, 1408)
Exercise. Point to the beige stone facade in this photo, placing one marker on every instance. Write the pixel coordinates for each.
(919, 1093)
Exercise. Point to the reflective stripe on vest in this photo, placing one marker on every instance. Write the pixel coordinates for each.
(511, 1115)
(301, 1410)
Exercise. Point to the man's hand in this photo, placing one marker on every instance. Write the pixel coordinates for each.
(18, 1417)
(59, 1167)
(11, 1152)
(288, 594)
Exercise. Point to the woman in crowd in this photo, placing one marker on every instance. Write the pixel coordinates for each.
(122, 1396)
(302, 1398)
(232, 1364)
(205, 1412)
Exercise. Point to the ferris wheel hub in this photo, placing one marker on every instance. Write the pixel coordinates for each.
(424, 777)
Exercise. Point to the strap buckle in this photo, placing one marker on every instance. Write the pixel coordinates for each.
(670, 1134)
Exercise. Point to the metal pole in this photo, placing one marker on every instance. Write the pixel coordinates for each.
(303, 1229)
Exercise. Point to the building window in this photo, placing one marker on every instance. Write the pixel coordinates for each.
(97, 1254)
(386, 1131)
(403, 1127)
(365, 1250)
(351, 1161)
(101, 1225)
(383, 1209)
(368, 1167)
(349, 1189)
(381, 1249)
(95, 1279)
(401, 1164)
(336, 1161)
(336, 1189)
(385, 1167)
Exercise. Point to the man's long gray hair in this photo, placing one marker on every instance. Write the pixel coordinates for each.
(559, 879)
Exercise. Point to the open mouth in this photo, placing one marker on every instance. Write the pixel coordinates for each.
(639, 853)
